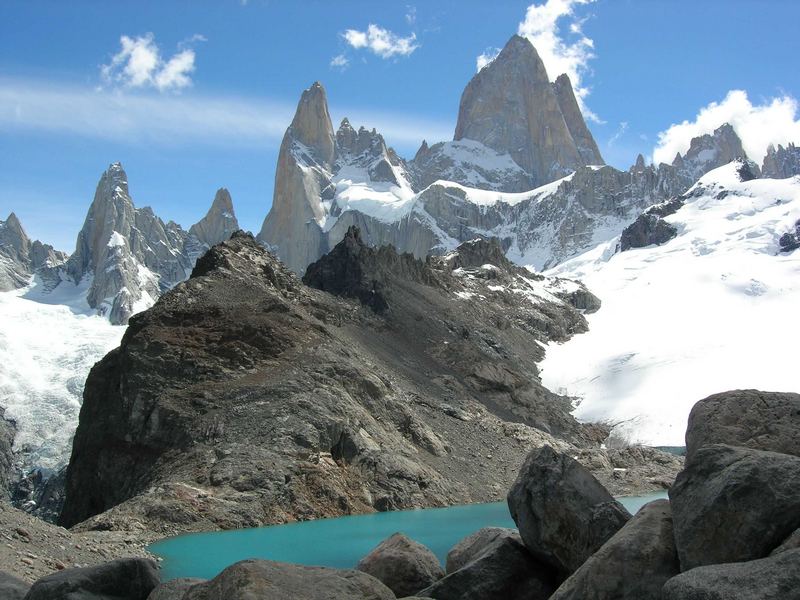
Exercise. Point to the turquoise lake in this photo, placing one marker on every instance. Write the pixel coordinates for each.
(339, 542)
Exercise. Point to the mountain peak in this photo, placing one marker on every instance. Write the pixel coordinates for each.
(219, 223)
(312, 124)
(510, 106)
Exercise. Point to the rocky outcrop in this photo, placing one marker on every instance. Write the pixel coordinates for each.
(773, 578)
(244, 366)
(402, 565)
(472, 546)
(218, 224)
(20, 257)
(511, 106)
(123, 579)
(7, 470)
(709, 151)
(749, 418)
(174, 589)
(781, 163)
(790, 240)
(497, 567)
(646, 230)
(633, 565)
(563, 513)
(734, 504)
(251, 579)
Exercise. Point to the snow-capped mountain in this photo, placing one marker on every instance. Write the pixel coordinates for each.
(712, 308)
(20, 257)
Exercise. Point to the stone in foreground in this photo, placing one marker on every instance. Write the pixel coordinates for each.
(632, 565)
(749, 418)
(174, 589)
(472, 546)
(256, 579)
(563, 513)
(123, 579)
(12, 588)
(773, 578)
(734, 504)
(504, 569)
(402, 564)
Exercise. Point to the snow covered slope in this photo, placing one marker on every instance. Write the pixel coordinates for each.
(48, 343)
(713, 309)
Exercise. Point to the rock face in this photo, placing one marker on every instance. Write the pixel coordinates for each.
(20, 257)
(709, 151)
(773, 578)
(174, 589)
(124, 579)
(511, 106)
(218, 224)
(244, 397)
(646, 230)
(474, 545)
(734, 504)
(750, 418)
(563, 513)
(7, 471)
(632, 565)
(497, 568)
(402, 565)
(252, 579)
(781, 163)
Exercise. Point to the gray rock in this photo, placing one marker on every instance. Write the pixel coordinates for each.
(646, 230)
(122, 579)
(12, 588)
(790, 543)
(587, 147)
(632, 565)
(255, 579)
(563, 513)
(219, 223)
(500, 569)
(773, 578)
(476, 544)
(20, 257)
(7, 470)
(174, 589)
(403, 565)
(749, 418)
(709, 151)
(511, 106)
(734, 504)
(781, 163)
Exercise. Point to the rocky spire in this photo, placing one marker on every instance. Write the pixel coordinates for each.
(587, 147)
(219, 223)
(302, 183)
(511, 106)
(781, 163)
(709, 151)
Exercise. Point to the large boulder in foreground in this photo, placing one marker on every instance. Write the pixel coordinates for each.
(12, 588)
(632, 565)
(256, 579)
(749, 418)
(122, 579)
(563, 513)
(403, 565)
(773, 578)
(734, 504)
(472, 546)
(174, 589)
(499, 569)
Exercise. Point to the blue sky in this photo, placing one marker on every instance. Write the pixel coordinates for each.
(211, 107)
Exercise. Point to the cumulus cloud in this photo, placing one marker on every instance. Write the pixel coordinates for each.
(484, 59)
(775, 121)
(139, 64)
(381, 42)
(561, 54)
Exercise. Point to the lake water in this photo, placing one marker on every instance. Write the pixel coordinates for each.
(339, 542)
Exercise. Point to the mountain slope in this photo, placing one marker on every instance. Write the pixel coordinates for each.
(713, 308)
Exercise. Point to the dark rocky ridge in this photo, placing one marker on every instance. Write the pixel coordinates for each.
(244, 397)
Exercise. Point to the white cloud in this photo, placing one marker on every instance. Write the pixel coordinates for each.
(340, 61)
(411, 14)
(774, 121)
(561, 55)
(139, 64)
(623, 127)
(484, 59)
(381, 42)
(175, 120)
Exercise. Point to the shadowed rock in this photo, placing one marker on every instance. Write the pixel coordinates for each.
(403, 565)
(122, 579)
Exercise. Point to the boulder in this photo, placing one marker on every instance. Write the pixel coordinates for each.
(749, 418)
(503, 569)
(476, 544)
(790, 543)
(773, 578)
(632, 565)
(122, 579)
(646, 230)
(402, 564)
(174, 589)
(12, 588)
(563, 513)
(256, 579)
(734, 504)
